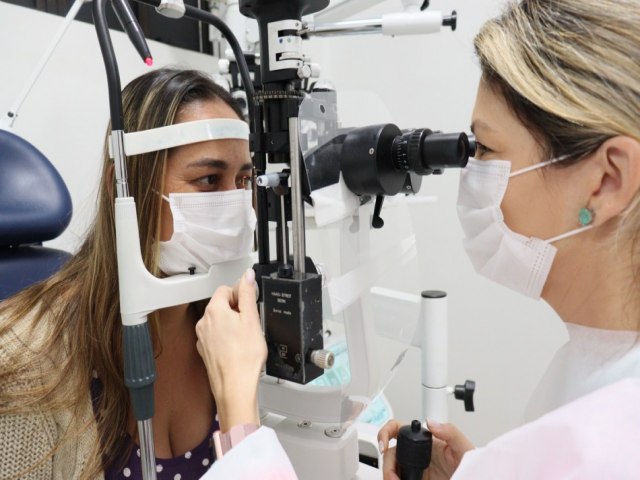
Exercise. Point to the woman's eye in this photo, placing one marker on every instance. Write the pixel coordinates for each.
(208, 180)
(243, 183)
(481, 149)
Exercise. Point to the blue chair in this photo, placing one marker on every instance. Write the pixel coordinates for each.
(35, 206)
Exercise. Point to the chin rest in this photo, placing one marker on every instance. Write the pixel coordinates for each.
(35, 206)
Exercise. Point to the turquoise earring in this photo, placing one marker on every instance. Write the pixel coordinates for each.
(585, 216)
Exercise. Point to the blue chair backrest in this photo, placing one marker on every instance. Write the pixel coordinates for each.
(35, 206)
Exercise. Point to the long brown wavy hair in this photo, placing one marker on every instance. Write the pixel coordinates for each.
(80, 303)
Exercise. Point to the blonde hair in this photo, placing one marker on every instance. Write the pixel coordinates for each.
(576, 59)
(570, 71)
(80, 303)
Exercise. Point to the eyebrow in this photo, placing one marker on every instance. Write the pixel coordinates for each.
(479, 124)
(216, 163)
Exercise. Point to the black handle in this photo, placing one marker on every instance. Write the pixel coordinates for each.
(413, 451)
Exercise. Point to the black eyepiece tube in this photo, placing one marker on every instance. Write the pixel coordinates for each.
(473, 145)
(445, 150)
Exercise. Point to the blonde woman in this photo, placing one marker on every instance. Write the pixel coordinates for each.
(64, 410)
(550, 208)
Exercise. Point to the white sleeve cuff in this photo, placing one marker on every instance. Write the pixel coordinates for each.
(259, 455)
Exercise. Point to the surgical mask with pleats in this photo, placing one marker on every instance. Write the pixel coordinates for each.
(208, 228)
(515, 261)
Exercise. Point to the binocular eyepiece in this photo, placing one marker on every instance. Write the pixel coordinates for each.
(383, 160)
(424, 152)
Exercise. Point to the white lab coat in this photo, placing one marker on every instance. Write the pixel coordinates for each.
(591, 359)
(593, 438)
(258, 456)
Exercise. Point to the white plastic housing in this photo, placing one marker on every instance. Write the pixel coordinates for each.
(284, 51)
(434, 341)
(313, 454)
(411, 23)
(237, 23)
(142, 293)
(184, 133)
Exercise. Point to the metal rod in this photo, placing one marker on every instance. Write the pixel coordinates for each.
(12, 114)
(352, 27)
(147, 450)
(119, 163)
(297, 205)
(284, 234)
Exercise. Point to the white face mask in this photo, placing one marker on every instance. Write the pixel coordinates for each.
(496, 252)
(208, 228)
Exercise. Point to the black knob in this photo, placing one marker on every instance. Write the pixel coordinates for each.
(414, 150)
(413, 451)
(285, 271)
(451, 21)
(465, 392)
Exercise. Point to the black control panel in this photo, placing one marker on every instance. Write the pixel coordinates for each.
(293, 324)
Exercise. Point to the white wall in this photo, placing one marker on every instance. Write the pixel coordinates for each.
(497, 338)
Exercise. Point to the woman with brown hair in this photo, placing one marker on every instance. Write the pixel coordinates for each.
(550, 207)
(64, 409)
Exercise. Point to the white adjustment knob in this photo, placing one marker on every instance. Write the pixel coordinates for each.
(304, 71)
(323, 359)
(268, 180)
(315, 69)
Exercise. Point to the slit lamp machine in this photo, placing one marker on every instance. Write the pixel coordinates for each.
(293, 165)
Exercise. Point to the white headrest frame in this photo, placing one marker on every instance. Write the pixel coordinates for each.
(185, 133)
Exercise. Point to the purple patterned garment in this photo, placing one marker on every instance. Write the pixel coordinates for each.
(190, 466)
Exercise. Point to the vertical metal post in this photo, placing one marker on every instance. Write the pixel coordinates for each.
(297, 206)
(284, 232)
(119, 163)
(147, 449)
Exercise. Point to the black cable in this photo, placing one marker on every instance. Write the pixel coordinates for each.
(110, 63)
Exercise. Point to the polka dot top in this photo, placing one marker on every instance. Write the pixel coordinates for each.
(190, 466)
